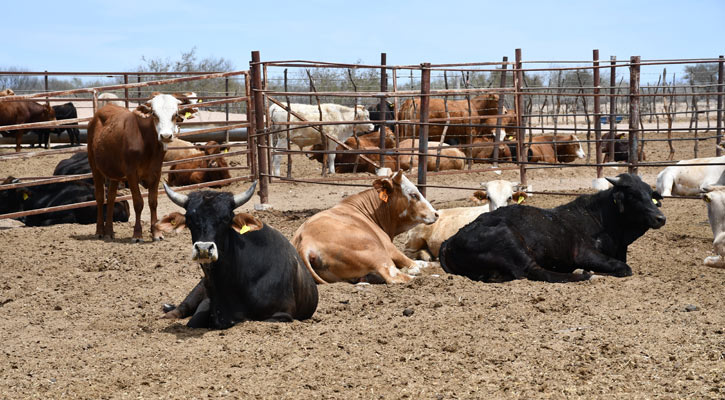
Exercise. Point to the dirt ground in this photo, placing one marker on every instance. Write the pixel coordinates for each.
(80, 315)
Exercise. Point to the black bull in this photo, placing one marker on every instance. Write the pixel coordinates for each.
(249, 274)
(591, 233)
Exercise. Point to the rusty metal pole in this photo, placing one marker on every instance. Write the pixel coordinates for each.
(258, 97)
(125, 90)
(138, 89)
(423, 139)
(633, 112)
(499, 111)
(518, 105)
(383, 107)
(251, 140)
(597, 114)
(719, 105)
(226, 106)
(612, 105)
(46, 89)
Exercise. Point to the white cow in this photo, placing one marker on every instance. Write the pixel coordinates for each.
(424, 241)
(308, 136)
(689, 180)
(109, 98)
(714, 197)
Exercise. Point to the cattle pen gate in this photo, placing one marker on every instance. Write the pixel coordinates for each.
(606, 105)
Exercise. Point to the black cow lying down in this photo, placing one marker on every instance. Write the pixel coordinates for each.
(591, 233)
(55, 194)
(251, 271)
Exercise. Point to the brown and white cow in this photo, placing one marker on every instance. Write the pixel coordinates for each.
(131, 145)
(345, 162)
(199, 176)
(567, 149)
(22, 112)
(7, 92)
(424, 241)
(355, 237)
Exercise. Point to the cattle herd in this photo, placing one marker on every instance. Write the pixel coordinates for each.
(253, 272)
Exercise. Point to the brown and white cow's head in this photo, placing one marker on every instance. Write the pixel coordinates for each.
(500, 193)
(407, 204)
(164, 109)
(571, 150)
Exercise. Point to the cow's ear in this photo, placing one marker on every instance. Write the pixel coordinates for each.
(143, 110)
(619, 200)
(619, 135)
(397, 178)
(519, 197)
(174, 222)
(188, 112)
(244, 223)
(384, 188)
(479, 196)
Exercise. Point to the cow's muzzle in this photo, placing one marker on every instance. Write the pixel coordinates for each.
(658, 221)
(204, 252)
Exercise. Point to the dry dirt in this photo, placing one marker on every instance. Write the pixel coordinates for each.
(80, 316)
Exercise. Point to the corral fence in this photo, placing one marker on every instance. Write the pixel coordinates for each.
(596, 100)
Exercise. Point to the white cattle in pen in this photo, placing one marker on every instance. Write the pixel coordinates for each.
(689, 180)
(714, 197)
(109, 98)
(309, 136)
(424, 241)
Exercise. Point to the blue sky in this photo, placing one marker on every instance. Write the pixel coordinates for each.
(114, 35)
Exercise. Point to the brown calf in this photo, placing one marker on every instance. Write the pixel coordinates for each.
(568, 149)
(131, 145)
(194, 177)
(22, 112)
(354, 238)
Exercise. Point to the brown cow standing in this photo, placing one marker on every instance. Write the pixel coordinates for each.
(354, 238)
(194, 177)
(131, 145)
(23, 112)
(482, 105)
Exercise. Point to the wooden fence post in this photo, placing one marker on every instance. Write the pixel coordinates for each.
(597, 115)
(423, 138)
(258, 97)
(633, 112)
(520, 131)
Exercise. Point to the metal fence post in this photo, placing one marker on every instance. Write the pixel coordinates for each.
(719, 105)
(520, 131)
(499, 111)
(423, 139)
(257, 95)
(612, 105)
(633, 112)
(125, 90)
(383, 106)
(597, 114)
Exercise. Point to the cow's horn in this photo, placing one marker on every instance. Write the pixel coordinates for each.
(178, 198)
(240, 199)
(613, 181)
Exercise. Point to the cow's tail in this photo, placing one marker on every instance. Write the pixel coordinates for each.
(306, 259)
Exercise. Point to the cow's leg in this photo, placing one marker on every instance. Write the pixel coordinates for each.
(416, 249)
(331, 146)
(100, 197)
(190, 303)
(402, 261)
(202, 315)
(593, 260)
(137, 206)
(277, 158)
(156, 233)
(18, 139)
(108, 228)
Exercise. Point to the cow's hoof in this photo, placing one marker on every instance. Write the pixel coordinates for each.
(158, 238)
(137, 240)
(168, 307)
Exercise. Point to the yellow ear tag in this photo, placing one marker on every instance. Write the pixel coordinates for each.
(198, 100)
(520, 200)
(25, 196)
(173, 222)
(509, 138)
(707, 199)
(225, 151)
(187, 115)
(244, 229)
(383, 196)
(654, 201)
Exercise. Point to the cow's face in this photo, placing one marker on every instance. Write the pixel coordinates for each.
(164, 109)
(362, 114)
(209, 216)
(637, 201)
(408, 205)
(500, 193)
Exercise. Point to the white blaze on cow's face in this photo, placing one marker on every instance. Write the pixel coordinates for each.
(418, 209)
(164, 108)
(499, 193)
(580, 151)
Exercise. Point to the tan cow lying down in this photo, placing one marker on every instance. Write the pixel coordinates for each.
(567, 149)
(7, 92)
(424, 241)
(354, 238)
(408, 162)
(199, 175)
